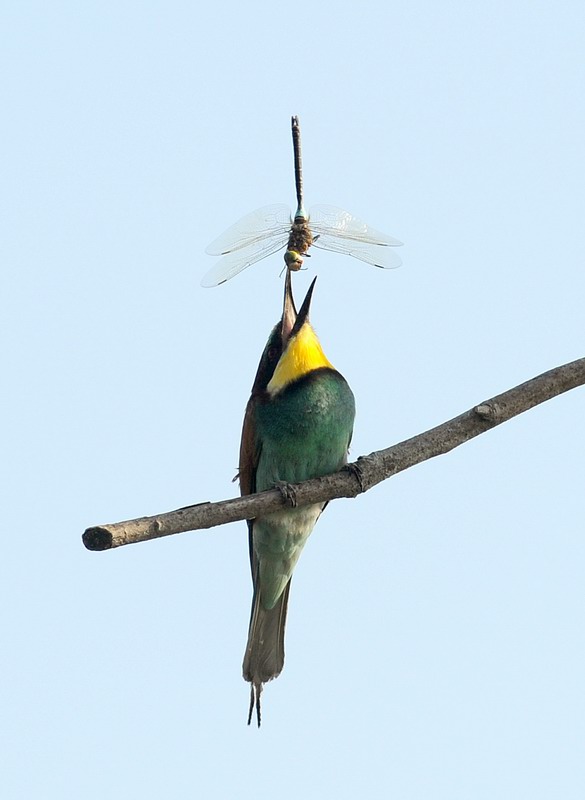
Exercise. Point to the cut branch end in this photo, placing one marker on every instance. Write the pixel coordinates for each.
(97, 538)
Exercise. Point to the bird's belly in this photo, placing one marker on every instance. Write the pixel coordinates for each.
(278, 541)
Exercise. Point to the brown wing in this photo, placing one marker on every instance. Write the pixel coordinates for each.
(249, 451)
(249, 456)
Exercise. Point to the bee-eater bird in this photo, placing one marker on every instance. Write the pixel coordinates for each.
(298, 425)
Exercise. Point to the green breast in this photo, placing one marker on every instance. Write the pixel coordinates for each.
(304, 431)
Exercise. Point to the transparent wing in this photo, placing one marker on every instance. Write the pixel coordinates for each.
(341, 224)
(260, 224)
(235, 262)
(378, 255)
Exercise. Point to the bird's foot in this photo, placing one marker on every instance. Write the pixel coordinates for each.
(287, 491)
(356, 471)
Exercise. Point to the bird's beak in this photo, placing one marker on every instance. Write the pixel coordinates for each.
(289, 312)
(291, 321)
(303, 315)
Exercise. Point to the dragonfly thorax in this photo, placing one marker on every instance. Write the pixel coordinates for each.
(299, 241)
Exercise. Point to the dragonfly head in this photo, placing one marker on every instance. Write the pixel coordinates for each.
(293, 260)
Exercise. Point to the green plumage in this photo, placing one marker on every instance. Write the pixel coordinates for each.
(304, 432)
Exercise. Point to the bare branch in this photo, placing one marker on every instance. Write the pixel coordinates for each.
(357, 477)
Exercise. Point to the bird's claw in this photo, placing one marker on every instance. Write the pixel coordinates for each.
(356, 471)
(287, 491)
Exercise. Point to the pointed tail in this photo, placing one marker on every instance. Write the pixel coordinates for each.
(264, 656)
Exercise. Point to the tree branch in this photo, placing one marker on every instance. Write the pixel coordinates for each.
(357, 477)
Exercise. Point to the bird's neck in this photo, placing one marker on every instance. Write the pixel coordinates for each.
(303, 354)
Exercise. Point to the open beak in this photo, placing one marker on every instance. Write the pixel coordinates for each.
(291, 321)
(303, 315)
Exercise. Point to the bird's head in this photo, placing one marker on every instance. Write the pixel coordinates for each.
(293, 348)
(300, 349)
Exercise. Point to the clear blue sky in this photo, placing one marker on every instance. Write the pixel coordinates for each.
(436, 645)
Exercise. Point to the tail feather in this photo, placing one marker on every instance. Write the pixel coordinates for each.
(264, 656)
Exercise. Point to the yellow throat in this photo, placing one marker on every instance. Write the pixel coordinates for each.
(303, 354)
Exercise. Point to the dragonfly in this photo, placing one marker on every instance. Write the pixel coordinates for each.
(271, 228)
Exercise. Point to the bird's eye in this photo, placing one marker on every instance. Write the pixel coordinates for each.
(272, 353)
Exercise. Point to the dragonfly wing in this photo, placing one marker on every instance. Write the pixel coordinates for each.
(235, 262)
(379, 255)
(337, 222)
(260, 224)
